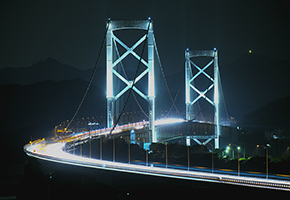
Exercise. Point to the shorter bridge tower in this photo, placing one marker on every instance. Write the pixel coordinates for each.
(191, 88)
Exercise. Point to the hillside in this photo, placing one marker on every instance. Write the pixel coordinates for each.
(46, 69)
(253, 81)
(31, 111)
(274, 114)
(49, 101)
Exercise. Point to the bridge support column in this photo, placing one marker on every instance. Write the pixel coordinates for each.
(110, 114)
(132, 137)
(187, 86)
(151, 86)
(187, 140)
(152, 132)
(216, 101)
(109, 72)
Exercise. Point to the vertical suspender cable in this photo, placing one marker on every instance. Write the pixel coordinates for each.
(222, 92)
(164, 78)
(91, 79)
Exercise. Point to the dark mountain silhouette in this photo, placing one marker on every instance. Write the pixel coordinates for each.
(252, 81)
(47, 101)
(32, 111)
(46, 69)
(275, 114)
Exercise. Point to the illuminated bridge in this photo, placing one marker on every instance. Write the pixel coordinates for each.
(160, 129)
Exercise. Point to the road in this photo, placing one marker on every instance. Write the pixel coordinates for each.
(52, 150)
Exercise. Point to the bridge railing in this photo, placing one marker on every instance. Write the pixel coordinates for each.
(99, 122)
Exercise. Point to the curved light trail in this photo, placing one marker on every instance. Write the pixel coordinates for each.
(53, 150)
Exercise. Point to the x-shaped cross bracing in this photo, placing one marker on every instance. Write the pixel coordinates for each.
(202, 94)
(189, 85)
(130, 51)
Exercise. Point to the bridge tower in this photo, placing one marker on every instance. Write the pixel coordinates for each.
(190, 88)
(112, 72)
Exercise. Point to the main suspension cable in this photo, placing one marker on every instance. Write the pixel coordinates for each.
(177, 93)
(91, 78)
(164, 78)
(222, 91)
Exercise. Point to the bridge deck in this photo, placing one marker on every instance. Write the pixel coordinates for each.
(53, 151)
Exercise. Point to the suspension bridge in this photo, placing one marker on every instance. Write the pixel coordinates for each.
(122, 86)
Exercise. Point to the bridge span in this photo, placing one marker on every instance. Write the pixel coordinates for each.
(54, 151)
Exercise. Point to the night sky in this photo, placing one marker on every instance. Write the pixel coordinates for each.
(72, 31)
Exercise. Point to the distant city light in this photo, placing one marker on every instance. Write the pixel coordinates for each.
(250, 51)
(93, 123)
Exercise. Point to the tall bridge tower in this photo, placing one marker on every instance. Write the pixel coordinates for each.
(191, 88)
(112, 71)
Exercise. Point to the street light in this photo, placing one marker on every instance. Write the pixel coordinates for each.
(90, 143)
(188, 158)
(114, 150)
(211, 156)
(238, 148)
(129, 151)
(166, 158)
(101, 149)
(267, 162)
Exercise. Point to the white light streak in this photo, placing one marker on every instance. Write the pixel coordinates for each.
(53, 151)
(168, 121)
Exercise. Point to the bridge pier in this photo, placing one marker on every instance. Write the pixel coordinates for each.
(132, 137)
(187, 141)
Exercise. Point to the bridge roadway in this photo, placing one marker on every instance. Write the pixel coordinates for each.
(53, 150)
